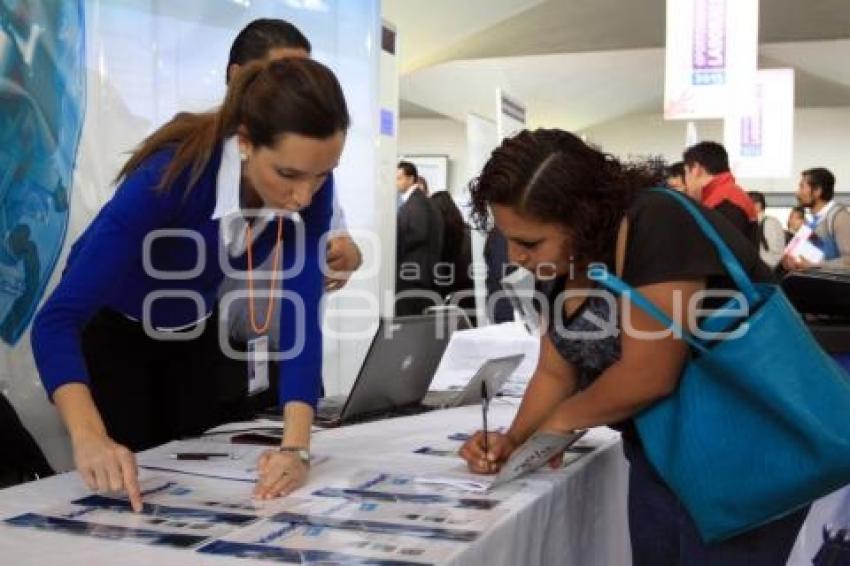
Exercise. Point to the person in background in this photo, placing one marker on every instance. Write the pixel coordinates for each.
(419, 245)
(771, 235)
(674, 176)
(499, 307)
(422, 183)
(562, 203)
(830, 220)
(796, 219)
(240, 397)
(453, 270)
(127, 372)
(709, 181)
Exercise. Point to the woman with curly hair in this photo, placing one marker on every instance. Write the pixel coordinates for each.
(564, 207)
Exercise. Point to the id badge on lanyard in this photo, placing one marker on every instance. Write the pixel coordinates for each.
(258, 348)
(258, 365)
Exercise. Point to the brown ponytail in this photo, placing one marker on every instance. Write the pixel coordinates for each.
(270, 99)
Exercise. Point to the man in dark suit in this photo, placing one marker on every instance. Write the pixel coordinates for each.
(419, 243)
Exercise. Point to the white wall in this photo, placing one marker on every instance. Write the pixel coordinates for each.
(352, 313)
(435, 136)
(821, 138)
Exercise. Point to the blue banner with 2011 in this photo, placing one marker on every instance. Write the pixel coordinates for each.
(42, 100)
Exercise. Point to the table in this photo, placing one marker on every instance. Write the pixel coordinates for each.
(576, 515)
(573, 516)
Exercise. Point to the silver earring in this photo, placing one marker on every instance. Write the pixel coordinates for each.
(243, 156)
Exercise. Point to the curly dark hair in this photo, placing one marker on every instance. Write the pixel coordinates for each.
(553, 176)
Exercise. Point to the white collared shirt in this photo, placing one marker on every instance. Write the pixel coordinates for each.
(818, 218)
(405, 196)
(233, 224)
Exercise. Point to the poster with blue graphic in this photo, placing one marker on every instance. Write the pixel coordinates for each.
(42, 98)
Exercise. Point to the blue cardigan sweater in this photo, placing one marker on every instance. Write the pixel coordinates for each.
(105, 269)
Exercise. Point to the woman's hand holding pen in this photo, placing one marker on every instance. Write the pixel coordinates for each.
(499, 447)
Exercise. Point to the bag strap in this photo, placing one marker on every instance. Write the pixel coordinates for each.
(730, 262)
(619, 287)
(762, 236)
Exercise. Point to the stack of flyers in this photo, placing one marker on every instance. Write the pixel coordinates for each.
(112, 518)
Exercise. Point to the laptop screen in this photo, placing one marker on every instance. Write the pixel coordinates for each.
(400, 363)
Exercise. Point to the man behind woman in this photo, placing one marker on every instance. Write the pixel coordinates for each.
(127, 372)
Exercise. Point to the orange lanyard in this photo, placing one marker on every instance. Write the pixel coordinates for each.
(275, 266)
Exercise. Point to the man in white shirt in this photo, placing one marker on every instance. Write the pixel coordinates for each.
(830, 220)
(771, 235)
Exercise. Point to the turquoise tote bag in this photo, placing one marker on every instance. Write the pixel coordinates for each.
(759, 424)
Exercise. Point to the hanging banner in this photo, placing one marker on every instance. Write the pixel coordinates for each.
(510, 115)
(759, 132)
(712, 49)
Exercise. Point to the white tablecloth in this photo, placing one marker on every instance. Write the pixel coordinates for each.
(572, 516)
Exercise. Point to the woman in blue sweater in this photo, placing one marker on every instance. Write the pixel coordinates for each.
(122, 343)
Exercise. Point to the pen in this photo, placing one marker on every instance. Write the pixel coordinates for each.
(485, 402)
(199, 455)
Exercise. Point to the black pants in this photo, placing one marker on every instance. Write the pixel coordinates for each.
(22, 459)
(663, 533)
(151, 391)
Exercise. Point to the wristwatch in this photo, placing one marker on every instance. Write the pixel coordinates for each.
(302, 453)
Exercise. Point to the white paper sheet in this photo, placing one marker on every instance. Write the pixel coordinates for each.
(301, 543)
(172, 490)
(450, 521)
(386, 487)
(468, 349)
(164, 523)
(241, 465)
(460, 478)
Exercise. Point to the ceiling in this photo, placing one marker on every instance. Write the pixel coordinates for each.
(577, 63)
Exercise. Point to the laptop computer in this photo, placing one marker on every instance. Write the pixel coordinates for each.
(494, 372)
(396, 372)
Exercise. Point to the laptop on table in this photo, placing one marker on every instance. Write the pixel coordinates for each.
(495, 372)
(396, 372)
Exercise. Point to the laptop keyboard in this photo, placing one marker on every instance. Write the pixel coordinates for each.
(332, 416)
(329, 410)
